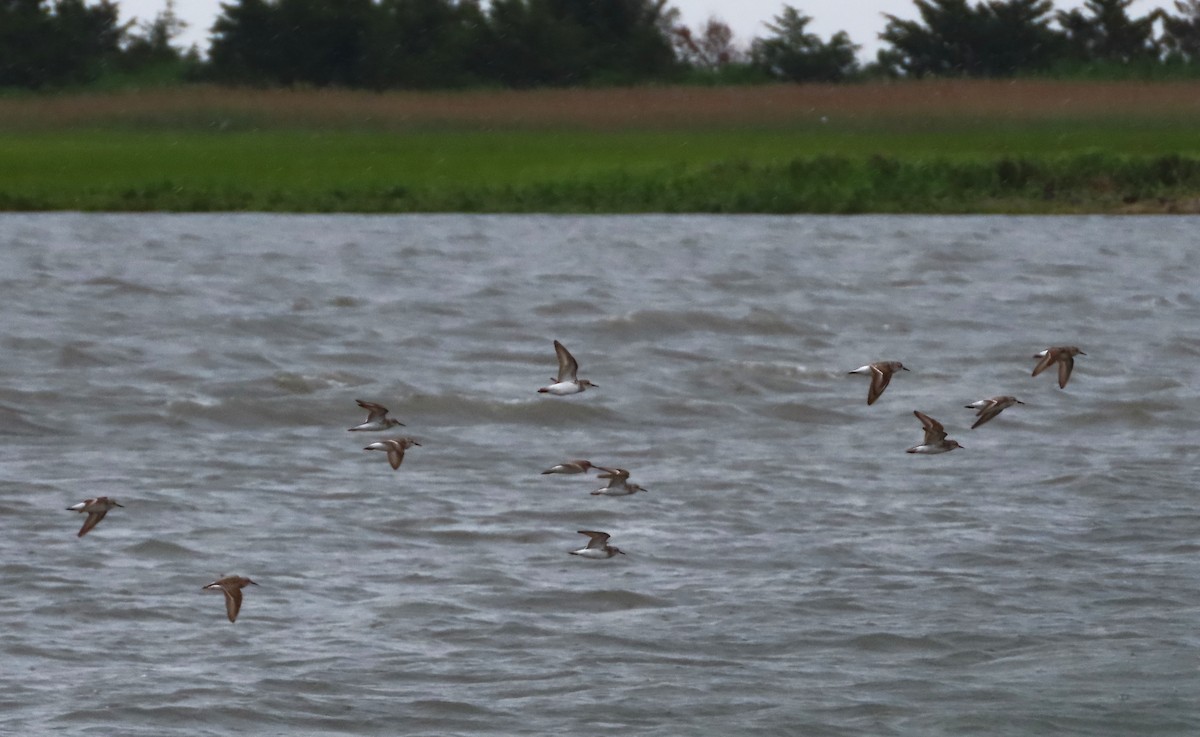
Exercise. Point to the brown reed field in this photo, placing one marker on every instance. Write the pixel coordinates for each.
(657, 108)
(931, 146)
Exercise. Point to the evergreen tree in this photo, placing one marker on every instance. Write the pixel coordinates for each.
(154, 44)
(526, 47)
(1181, 33)
(992, 39)
(941, 44)
(1019, 37)
(325, 43)
(1107, 33)
(794, 54)
(564, 42)
(439, 43)
(65, 43)
(244, 41)
(426, 43)
(293, 42)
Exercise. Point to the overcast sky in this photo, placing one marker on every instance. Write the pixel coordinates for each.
(862, 19)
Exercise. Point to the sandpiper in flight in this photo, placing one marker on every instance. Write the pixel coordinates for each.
(232, 587)
(377, 418)
(395, 448)
(597, 546)
(568, 368)
(96, 509)
(989, 408)
(576, 466)
(1064, 356)
(935, 436)
(618, 483)
(881, 375)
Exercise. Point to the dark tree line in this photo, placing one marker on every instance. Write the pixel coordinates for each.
(63, 43)
(999, 38)
(384, 44)
(70, 42)
(441, 43)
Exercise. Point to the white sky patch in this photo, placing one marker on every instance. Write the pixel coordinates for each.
(863, 20)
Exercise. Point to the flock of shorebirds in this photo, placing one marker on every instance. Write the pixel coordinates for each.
(935, 434)
(567, 383)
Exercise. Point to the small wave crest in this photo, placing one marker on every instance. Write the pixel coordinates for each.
(663, 323)
(161, 549)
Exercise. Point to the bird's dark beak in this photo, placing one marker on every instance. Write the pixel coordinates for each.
(904, 368)
(1082, 353)
(122, 506)
(251, 582)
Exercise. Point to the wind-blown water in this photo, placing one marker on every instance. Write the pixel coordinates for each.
(791, 570)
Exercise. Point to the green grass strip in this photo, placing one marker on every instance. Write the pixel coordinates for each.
(979, 168)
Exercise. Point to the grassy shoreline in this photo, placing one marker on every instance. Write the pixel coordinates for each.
(927, 147)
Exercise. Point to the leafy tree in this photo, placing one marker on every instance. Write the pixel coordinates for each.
(1107, 33)
(710, 49)
(799, 56)
(990, 39)
(1181, 33)
(64, 43)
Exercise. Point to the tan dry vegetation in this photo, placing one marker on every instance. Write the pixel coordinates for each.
(622, 108)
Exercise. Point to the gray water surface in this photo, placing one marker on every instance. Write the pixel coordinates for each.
(790, 571)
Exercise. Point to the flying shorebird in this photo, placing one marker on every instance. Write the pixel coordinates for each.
(989, 408)
(232, 587)
(618, 483)
(1064, 356)
(377, 418)
(935, 436)
(566, 383)
(597, 547)
(881, 375)
(395, 448)
(576, 466)
(96, 509)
